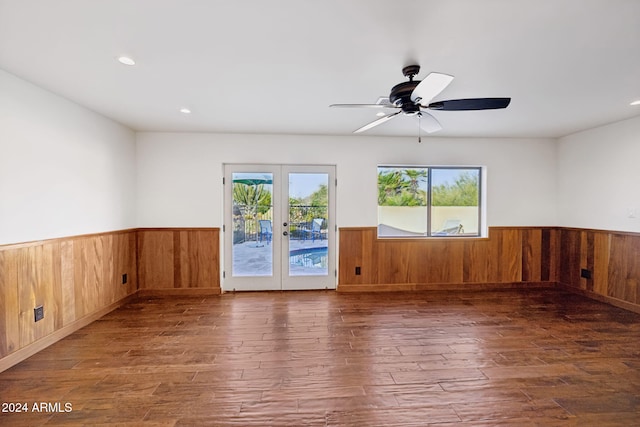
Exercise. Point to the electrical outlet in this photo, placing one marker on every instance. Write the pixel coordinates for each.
(124, 278)
(38, 313)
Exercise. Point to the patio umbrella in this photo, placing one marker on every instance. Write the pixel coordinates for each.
(253, 179)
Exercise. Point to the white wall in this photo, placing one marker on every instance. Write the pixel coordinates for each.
(180, 174)
(64, 170)
(599, 177)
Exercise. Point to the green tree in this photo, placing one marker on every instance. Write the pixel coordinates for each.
(463, 192)
(318, 202)
(312, 206)
(401, 187)
(390, 184)
(252, 199)
(319, 197)
(415, 177)
(296, 211)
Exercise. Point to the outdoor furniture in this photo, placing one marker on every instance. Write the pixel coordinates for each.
(266, 231)
(451, 226)
(314, 231)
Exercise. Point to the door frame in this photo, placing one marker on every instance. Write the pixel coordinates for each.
(279, 279)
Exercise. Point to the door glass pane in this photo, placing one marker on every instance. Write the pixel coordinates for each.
(455, 201)
(308, 219)
(252, 249)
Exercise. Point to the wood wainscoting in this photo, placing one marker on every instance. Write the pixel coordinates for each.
(611, 260)
(76, 280)
(79, 279)
(179, 261)
(510, 256)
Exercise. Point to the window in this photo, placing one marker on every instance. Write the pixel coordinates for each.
(416, 201)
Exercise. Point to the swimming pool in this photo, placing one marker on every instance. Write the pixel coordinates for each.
(309, 257)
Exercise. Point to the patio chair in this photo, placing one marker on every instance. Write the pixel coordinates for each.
(450, 226)
(266, 231)
(314, 231)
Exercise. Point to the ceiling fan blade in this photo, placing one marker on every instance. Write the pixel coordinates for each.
(377, 122)
(470, 104)
(363, 105)
(428, 123)
(430, 87)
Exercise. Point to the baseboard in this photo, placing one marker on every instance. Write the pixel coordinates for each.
(178, 292)
(602, 298)
(28, 351)
(419, 287)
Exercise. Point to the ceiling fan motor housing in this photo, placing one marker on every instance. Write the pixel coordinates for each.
(401, 96)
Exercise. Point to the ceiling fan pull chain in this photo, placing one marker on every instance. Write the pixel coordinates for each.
(419, 128)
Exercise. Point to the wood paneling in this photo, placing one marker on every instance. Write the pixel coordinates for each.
(624, 268)
(72, 278)
(179, 259)
(68, 297)
(532, 255)
(570, 253)
(611, 257)
(9, 303)
(601, 252)
(509, 255)
(79, 277)
(75, 278)
(550, 241)
(155, 259)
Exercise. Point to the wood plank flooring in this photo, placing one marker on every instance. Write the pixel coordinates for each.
(512, 358)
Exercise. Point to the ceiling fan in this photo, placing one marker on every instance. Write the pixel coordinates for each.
(413, 98)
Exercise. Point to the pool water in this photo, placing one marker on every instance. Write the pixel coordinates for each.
(309, 257)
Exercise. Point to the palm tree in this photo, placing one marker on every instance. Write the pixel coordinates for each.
(251, 200)
(401, 187)
(416, 176)
(390, 184)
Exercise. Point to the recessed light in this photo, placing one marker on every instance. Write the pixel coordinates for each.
(126, 60)
(636, 102)
(185, 111)
(380, 114)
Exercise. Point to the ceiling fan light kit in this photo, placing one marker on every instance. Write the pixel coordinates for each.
(412, 98)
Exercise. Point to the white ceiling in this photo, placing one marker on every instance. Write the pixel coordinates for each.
(274, 66)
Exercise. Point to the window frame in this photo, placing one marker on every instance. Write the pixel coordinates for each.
(482, 208)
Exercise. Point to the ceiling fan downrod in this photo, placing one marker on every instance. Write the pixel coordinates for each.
(410, 71)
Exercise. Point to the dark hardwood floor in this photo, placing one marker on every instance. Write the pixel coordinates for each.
(512, 358)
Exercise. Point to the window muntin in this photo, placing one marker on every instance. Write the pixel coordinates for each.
(416, 201)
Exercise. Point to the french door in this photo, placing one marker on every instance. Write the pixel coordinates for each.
(279, 231)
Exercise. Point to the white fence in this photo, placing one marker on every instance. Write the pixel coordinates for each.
(414, 218)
